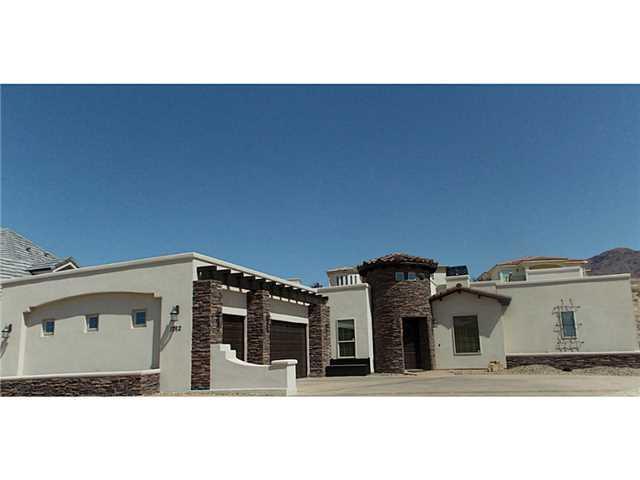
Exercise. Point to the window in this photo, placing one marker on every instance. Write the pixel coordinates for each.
(139, 318)
(91, 323)
(400, 276)
(568, 324)
(346, 338)
(48, 327)
(506, 276)
(466, 334)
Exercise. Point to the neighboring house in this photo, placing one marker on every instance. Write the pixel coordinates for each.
(410, 313)
(20, 257)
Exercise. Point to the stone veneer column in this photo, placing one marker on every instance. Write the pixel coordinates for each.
(259, 327)
(206, 329)
(319, 339)
(391, 302)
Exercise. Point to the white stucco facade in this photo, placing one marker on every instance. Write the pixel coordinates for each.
(346, 303)
(530, 323)
(603, 314)
(114, 292)
(490, 328)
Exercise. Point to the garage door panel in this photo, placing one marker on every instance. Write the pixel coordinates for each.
(233, 333)
(289, 341)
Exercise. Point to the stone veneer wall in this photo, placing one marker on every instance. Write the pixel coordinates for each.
(259, 327)
(635, 294)
(125, 384)
(319, 339)
(206, 329)
(578, 360)
(391, 301)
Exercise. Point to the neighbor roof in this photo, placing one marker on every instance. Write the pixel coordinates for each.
(20, 257)
(503, 299)
(518, 261)
(398, 259)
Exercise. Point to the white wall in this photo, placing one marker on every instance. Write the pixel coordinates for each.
(604, 317)
(564, 273)
(116, 346)
(157, 283)
(351, 302)
(489, 313)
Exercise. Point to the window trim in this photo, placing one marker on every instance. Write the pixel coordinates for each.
(133, 318)
(86, 323)
(453, 335)
(338, 341)
(43, 330)
(575, 325)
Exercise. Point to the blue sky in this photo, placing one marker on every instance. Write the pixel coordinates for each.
(293, 180)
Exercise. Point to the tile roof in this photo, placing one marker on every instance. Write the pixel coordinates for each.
(397, 259)
(503, 299)
(19, 256)
(518, 261)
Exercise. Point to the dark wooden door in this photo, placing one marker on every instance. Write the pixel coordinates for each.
(411, 343)
(289, 341)
(233, 333)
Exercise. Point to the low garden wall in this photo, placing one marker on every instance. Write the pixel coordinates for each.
(100, 384)
(576, 359)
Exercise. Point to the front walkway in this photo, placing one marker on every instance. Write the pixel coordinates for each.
(444, 383)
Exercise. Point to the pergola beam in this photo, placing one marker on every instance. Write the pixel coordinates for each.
(253, 283)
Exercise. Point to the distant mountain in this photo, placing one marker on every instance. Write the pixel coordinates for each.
(617, 260)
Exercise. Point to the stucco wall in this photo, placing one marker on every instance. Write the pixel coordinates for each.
(351, 302)
(116, 346)
(489, 313)
(562, 273)
(162, 285)
(603, 315)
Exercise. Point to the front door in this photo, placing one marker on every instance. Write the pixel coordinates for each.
(411, 343)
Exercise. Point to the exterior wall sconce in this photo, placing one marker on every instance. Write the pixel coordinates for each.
(173, 316)
(6, 331)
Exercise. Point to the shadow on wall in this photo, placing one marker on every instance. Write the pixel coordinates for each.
(116, 333)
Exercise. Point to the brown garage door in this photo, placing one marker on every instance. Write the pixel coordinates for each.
(289, 340)
(233, 333)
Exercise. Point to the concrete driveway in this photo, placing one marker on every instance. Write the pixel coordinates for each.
(449, 384)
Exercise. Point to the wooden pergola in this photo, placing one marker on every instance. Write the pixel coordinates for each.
(252, 282)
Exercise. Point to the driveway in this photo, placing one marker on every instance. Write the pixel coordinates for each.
(437, 383)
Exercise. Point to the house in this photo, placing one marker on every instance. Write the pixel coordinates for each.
(172, 323)
(188, 321)
(401, 312)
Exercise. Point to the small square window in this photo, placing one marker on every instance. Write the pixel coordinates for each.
(92, 323)
(399, 276)
(48, 327)
(411, 276)
(139, 318)
(568, 324)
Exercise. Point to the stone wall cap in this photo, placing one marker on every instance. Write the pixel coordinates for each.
(284, 363)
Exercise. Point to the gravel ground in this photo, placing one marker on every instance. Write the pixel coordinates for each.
(547, 370)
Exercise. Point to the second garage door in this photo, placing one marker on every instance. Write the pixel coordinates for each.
(289, 341)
